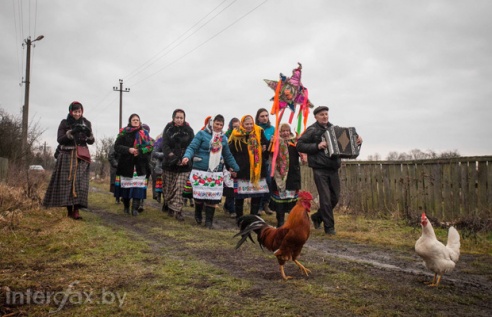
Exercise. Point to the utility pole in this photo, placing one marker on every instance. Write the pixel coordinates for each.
(121, 98)
(25, 109)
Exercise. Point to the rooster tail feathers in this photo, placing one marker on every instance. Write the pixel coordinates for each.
(454, 242)
(248, 224)
(245, 220)
(243, 238)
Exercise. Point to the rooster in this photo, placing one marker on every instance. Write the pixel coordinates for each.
(438, 258)
(287, 241)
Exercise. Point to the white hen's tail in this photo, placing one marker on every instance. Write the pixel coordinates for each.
(454, 243)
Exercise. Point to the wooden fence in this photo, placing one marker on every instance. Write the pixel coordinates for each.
(445, 188)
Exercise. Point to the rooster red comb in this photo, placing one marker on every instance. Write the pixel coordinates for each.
(304, 195)
(423, 215)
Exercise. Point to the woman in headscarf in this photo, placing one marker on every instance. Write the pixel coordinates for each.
(134, 147)
(208, 150)
(262, 119)
(69, 184)
(286, 180)
(176, 137)
(228, 181)
(248, 146)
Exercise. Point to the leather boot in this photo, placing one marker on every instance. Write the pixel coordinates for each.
(179, 216)
(239, 207)
(198, 213)
(141, 206)
(69, 212)
(126, 205)
(165, 207)
(255, 208)
(76, 215)
(267, 209)
(280, 218)
(136, 204)
(209, 216)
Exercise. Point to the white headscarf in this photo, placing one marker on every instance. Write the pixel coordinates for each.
(215, 145)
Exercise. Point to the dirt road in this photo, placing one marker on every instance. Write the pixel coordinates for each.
(401, 273)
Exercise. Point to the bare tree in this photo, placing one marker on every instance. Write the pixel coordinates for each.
(404, 156)
(417, 154)
(101, 158)
(374, 157)
(392, 156)
(450, 154)
(11, 130)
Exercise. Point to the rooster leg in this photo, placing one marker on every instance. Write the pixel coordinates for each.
(282, 272)
(302, 268)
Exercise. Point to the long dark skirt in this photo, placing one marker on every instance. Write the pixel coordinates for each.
(69, 184)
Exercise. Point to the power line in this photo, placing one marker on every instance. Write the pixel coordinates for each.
(156, 57)
(201, 44)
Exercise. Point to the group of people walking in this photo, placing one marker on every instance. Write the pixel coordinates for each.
(236, 164)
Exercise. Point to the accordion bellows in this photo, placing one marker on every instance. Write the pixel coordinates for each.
(342, 142)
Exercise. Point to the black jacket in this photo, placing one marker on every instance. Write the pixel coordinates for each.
(175, 140)
(308, 143)
(78, 136)
(127, 162)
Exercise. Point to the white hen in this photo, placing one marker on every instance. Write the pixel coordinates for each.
(438, 258)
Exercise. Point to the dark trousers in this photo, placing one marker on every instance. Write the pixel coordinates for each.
(229, 204)
(328, 186)
(239, 206)
(265, 199)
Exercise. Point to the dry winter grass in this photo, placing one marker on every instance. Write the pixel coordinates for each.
(152, 265)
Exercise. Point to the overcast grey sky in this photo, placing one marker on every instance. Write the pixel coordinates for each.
(406, 74)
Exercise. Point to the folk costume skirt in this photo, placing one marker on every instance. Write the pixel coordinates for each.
(243, 188)
(207, 186)
(69, 183)
(131, 187)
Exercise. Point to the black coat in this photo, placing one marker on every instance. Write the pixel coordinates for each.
(241, 155)
(308, 143)
(127, 162)
(80, 137)
(175, 140)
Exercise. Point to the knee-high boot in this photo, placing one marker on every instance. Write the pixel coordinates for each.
(255, 208)
(239, 207)
(280, 218)
(209, 216)
(136, 204)
(126, 205)
(198, 213)
(70, 211)
(255, 205)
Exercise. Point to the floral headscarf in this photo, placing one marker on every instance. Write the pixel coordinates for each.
(142, 141)
(215, 143)
(253, 140)
(282, 162)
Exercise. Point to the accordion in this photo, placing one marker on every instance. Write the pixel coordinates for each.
(342, 142)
